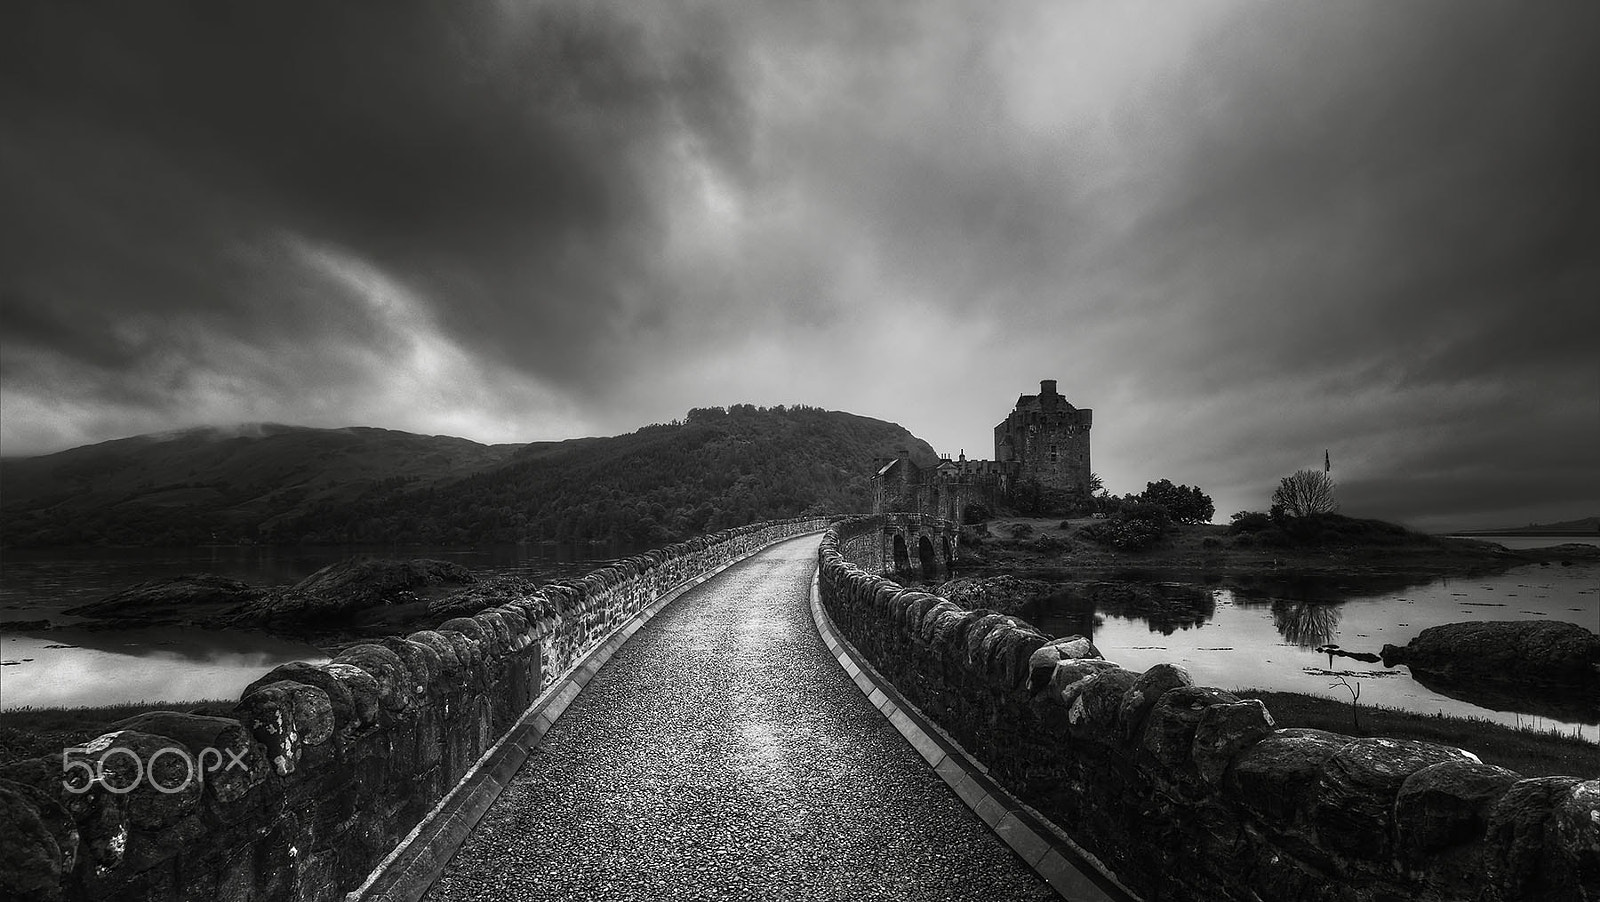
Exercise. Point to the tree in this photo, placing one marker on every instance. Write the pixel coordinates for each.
(1306, 493)
(1186, 504)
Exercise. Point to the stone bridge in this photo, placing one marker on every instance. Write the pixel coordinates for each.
(759, 714)
(909, 545)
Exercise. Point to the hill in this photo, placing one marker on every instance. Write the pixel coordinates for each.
(1586, 526)
(287, 484)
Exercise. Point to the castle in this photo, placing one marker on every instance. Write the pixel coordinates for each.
(1043, 444)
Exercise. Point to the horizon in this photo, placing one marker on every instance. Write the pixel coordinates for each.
(1240, 234)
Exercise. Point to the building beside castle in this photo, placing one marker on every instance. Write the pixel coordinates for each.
(1042, 444)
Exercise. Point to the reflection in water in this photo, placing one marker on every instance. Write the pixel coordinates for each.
(102, 667)
(1077, 608)
(1286, 632)
(1557, 703)
(1064, 614)
(1306, 624)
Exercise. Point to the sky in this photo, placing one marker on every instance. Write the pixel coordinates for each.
(1243, 233)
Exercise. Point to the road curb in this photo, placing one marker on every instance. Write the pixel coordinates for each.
(1070, 870)
(409, 871)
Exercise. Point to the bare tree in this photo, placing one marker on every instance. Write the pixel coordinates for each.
(1305, 493)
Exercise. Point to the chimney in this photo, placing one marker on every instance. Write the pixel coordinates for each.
(1047, 387)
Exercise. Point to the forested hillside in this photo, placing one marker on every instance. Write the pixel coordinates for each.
(284, 485)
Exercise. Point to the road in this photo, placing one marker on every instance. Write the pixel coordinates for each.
(723, 754)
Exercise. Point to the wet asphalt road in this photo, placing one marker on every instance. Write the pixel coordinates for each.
(723, 754)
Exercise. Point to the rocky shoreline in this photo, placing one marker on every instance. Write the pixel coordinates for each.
(338, 603)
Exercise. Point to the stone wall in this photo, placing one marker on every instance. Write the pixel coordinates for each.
(1189, 793)
(319, 771)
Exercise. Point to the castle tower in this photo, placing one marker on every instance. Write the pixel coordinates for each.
(1047, 439)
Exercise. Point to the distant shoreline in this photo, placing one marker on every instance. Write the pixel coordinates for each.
(1535, 534)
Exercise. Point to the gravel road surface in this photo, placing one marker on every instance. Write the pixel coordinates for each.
(723, 754)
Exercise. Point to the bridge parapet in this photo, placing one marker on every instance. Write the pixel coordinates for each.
(1190, 793)
(320, 770)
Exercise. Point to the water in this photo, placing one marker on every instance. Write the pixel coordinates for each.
(1517, 543)
(1267, 639)
(69, 665)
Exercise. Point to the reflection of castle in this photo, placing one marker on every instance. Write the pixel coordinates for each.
(1043, 441)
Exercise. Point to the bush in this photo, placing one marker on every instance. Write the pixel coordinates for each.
(1248, 521)
(1123, 534)
(1155, 514)
(1051, 543)
(1134, 528)
(1021, 531)
(974, 513)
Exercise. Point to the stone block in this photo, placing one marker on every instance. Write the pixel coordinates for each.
(394, 678)
(1574, 835)
(1447, 804)
(1523, 861)
(925, 622)
(1352, 808)
(1145, 692)
(363, 689)
(477, 632)
(1169, 731)
(166, 785)
(423, 664)
(223, 749)
(340, 700)
(31, 860)
(1273, 779)
(497, 629)
(1096, 710)
(977, 633)
(1224, 731)
(517, 622)
(1066, 678)
(269, 713)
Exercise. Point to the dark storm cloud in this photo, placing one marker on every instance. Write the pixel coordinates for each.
(502, 163)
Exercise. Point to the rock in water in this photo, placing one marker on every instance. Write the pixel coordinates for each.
(347, 587)
(180, 599)
(1513, 652)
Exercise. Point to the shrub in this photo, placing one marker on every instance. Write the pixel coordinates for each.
(974, 513)
(1248, 521)
(1134, 528)
(1021, 531)
(1123, 534)
(1051, 543)
(1156, 515)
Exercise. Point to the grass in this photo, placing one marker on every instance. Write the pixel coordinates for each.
(29, 732)
(1529, 751)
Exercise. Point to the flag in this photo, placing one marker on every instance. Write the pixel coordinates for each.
(1327, 465)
